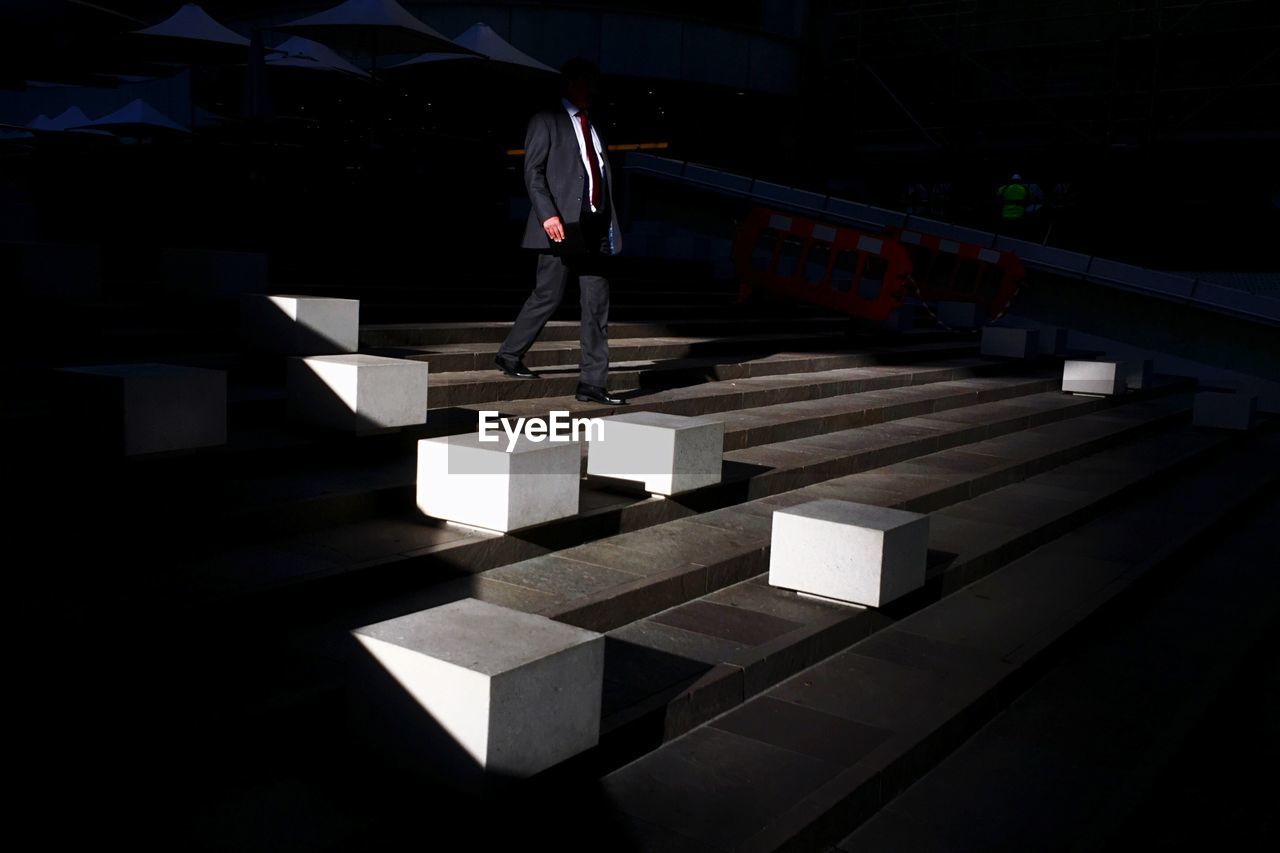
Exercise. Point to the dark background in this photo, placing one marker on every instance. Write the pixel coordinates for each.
(1161, 116)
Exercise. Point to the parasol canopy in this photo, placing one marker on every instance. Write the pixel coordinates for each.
(481, 38)
(193, 23)
(373, 26)
(190, 35)
(67, 119)
(299, 52)
(136, 117)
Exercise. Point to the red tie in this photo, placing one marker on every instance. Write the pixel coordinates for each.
(591, 158)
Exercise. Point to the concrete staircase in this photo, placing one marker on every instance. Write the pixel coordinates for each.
(736, 716)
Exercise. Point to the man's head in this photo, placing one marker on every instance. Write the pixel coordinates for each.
(580, 79)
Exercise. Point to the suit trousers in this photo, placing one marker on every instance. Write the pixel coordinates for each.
(553, 273)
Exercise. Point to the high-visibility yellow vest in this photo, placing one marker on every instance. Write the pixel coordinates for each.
(1014, 197)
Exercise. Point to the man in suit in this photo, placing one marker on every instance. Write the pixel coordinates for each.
(571, 187)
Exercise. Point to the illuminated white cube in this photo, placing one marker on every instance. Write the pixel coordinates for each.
(1004, 342)
(1101, 378)
(300, 325)
(147, 408)
(1224, 410)
(483, 484)
(358, 393)
(668, 454)
(852, 552)
(518, 693)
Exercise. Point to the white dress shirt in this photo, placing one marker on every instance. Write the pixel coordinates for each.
(582, 147)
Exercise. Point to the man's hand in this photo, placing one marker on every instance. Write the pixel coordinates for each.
(554, 228)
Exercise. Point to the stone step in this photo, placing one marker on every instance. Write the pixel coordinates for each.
(253, 403)
(1108, 726)
(408, 545)
(446, 358)
(784, 388)
(702, 398)
(625, 310)
(514, 295)
(628, 702)
(293, 480)
(469, 387)
(751, 635)
(628, 576)
(428, 334)
(355, 489)
(801, 765)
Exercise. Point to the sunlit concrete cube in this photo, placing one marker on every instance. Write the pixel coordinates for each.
(357, 393)
(1224, 410)
(668, 454)
(858, 553)
(1052, 340)
(1004, 342)
(1102, 378)
(300, 325)
(960, 315)
(147, 408)
(482, 484)
(517, 693)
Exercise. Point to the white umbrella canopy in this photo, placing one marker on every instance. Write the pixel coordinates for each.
(72, 118)
(136, 116)
(372, 26)
(481, 38)
(193, 23)
(299, 52)
(189, 36)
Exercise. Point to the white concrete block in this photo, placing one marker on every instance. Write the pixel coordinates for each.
(848, 551)
(148, 408)
(1224, 410)
(960, 315)
(358, 393)
(463, 479)
(300, 325)
(1104, 378)
(518, 693)
(1004, 342)
(1052, 340)
(668, 454)
(1139, 374)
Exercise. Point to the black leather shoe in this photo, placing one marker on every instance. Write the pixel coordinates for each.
(514, 367)
(596, 394)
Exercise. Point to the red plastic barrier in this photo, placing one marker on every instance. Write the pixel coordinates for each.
(862, 275)
(944, 269)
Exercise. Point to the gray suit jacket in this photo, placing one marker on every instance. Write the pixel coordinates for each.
(556, 179)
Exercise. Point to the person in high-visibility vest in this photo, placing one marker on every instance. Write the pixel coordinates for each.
(1013, 199)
